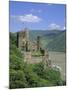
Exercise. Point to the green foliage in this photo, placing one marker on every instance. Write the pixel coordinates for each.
(24, 75)
(52, 75)
(15, 51)
(15, 62)
(16, 59)
(39, 68)
(49, 74)
(17, 79)
(58, 43)
(13, 39)
(33, 79)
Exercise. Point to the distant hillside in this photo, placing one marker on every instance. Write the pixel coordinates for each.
(58, 43)
(54, 40)
(43, 33)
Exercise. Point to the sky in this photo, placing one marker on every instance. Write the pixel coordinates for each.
(36, 16)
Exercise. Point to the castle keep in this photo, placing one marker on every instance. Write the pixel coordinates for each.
(28, 47)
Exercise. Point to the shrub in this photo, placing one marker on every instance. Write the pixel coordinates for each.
(17, 79)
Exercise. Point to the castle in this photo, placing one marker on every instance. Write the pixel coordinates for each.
(28, 47)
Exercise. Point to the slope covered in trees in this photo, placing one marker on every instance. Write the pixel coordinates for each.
(54, 40)
(58, 43)
(23, 75)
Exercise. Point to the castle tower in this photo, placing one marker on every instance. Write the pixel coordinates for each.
(23, 39)
(38, 42)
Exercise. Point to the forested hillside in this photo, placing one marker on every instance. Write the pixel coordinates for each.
(23, 75)
(58, 43)
(53, 40)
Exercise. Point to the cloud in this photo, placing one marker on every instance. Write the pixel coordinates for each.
(28, 18)
(35, 11)
(64, 28)
(54, 26)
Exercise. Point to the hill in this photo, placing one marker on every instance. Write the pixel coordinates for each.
(58, 43)
(43, 33)
(54, 40)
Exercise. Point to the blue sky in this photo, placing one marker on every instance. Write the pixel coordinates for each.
(36, 16)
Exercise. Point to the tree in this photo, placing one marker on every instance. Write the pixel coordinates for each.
(52, 75)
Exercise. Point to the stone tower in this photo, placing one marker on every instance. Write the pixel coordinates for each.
(38, 42)
(23, 39)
